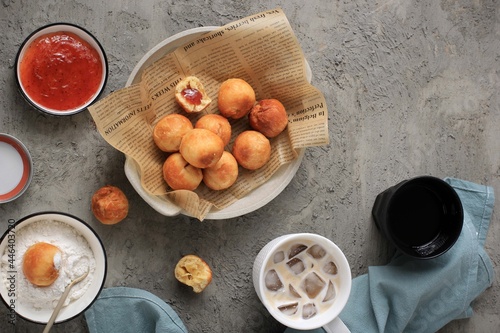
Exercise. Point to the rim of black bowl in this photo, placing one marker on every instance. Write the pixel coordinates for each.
(28, 99)
(97, 237)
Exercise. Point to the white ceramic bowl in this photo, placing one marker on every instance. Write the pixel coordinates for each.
(254, 200)
(343, 277)
(16, 168)
(83, 34)
(75, 307)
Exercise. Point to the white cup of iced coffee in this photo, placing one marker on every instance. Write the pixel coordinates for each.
(304, 280)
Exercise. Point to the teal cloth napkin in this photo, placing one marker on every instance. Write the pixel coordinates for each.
(124, 310)
(413, 296)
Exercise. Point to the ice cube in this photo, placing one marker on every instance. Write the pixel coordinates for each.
(278, 257)
(309, 310)
(296, 266)
(293, 291)
(316, 251)
(312, 285)
(273, 281)
(330, 292)
(330, 268)
(289, 309)
(296, 249)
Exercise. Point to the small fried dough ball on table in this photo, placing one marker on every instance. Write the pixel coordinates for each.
(251, 149)
(109, 205)
(193, 271)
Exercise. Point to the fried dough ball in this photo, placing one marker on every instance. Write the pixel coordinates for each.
(269, 117)
(194, 272)
(169, 130)
(201, 148)
(251, 149)
(179, 174)
(223, 174)
(191, 95)
(41, 264)
(236, 98)
(217, 124)
(109, 205)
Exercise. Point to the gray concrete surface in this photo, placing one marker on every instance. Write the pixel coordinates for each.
(412, 88)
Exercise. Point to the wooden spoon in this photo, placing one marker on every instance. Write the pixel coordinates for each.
(62, 299)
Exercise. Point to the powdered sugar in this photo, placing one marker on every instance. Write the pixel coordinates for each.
(76, 255)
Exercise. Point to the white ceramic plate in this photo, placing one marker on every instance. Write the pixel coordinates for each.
(76, 307)
(255, 199)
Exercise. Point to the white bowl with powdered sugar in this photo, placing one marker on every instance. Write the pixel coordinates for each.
(80, 248)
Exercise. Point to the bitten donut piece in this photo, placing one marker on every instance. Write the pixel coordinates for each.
(194, 272)
(41, 264)
(191, 95)
(217, 124)
(269, 117)
(251, 149)
(179, 174)
(109, 205)
(201, 148)
(169, 130)
(236, 98)
(223, 174)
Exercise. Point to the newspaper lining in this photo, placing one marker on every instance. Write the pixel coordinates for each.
(261, 49)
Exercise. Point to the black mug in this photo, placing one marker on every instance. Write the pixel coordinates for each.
(422, 216)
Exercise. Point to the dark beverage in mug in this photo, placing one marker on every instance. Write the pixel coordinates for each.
(416, 215)
(422, 216)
